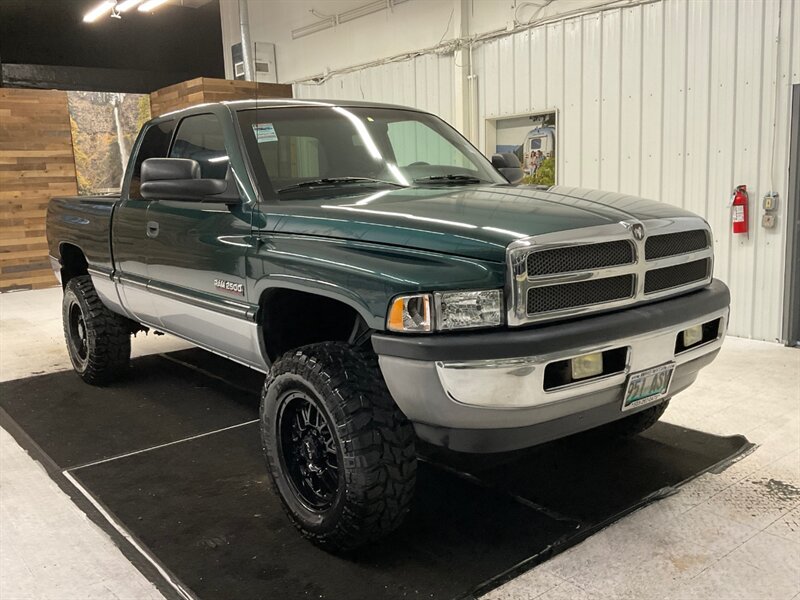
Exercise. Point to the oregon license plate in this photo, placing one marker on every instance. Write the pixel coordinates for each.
(647, 386)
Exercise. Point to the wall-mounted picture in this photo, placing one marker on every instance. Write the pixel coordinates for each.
(104, 126)
(533, 139)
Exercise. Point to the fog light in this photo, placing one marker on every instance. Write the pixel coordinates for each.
(587, 365)
(692, 335)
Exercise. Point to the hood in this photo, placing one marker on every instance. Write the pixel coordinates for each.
(475, 221)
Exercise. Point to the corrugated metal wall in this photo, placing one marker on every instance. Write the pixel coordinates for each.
(425, 82)
(672, 100)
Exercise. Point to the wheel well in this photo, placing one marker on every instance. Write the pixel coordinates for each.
(73, 263)
(291, 319)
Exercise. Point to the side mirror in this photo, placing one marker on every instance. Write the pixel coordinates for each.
(509, 166)
(179, 179)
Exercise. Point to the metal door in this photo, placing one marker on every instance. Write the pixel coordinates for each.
(129, 227)
(197, 254)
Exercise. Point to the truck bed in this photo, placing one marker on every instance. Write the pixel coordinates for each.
(84, 222)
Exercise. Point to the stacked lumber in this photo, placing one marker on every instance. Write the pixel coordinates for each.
(205, 89)
(36, 163)
(173, 97)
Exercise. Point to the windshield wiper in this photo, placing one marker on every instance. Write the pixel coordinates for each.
(325, 181)
(452, 178)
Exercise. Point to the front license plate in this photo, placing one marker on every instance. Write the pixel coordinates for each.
(647, 386)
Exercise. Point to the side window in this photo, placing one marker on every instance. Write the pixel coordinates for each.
(200, 138)
(155, 144)
(413, 141)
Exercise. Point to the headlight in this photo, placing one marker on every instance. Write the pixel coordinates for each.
(410, 314)
(461, 310)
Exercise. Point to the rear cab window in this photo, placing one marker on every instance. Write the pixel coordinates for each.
(155, 144)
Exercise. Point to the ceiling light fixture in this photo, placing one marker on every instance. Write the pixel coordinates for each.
(126, 5)
(98, 11)
(151, 5)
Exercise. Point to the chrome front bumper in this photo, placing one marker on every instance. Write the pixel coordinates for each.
(495, 380)
(519, 382)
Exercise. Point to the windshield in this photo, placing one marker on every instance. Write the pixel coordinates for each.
(300, 152)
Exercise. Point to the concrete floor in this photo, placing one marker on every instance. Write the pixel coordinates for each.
(732, 535)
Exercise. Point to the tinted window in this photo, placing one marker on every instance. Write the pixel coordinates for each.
(155, 144)
(200, 138)
(382, 147)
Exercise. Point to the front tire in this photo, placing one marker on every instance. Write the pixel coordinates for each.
(98, 340)
(339, 452)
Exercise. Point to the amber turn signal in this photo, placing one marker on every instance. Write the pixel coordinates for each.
(410, 314)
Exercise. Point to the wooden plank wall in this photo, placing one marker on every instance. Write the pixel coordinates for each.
(173, 97)
(36, 163)
(205, 89)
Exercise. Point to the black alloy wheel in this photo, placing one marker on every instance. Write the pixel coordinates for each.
(98, 340)
(308, 451)
(77, 336)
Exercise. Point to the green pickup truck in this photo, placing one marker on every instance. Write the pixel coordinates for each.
(394, 285)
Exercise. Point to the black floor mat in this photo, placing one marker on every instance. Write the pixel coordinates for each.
(203, 509)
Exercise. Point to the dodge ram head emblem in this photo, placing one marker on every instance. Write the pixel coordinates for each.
(637, 229)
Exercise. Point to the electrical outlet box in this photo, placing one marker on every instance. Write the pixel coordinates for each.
(770, 201)
(264, 62)
(768, 221)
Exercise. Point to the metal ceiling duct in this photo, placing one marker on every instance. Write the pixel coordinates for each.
(247, 48)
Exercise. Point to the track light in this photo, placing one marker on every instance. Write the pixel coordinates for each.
(150, 5)
(126, 5)
(98, 11)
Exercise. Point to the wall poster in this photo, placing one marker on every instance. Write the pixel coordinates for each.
(104, 126)
(533, 139)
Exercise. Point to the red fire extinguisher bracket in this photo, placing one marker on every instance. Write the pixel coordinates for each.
(739, 216)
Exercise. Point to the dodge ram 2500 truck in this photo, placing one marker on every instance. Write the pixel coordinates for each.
(393, 286)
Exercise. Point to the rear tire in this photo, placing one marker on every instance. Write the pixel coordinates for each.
(98, 340)
(636, 423)
(339, 452)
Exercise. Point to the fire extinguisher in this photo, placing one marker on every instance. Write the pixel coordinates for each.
(738, 203)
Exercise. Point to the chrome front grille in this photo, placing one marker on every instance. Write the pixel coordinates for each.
(673, 244)
(580, 258)
(564, 274)
(583, 293)
(676, 276)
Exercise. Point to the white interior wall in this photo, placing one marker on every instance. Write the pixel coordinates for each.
(406, 27)
(424, 82)
(670, 100)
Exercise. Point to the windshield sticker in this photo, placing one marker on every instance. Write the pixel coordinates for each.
(265, 132)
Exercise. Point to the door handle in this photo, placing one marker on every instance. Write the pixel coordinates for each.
(152, 229)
